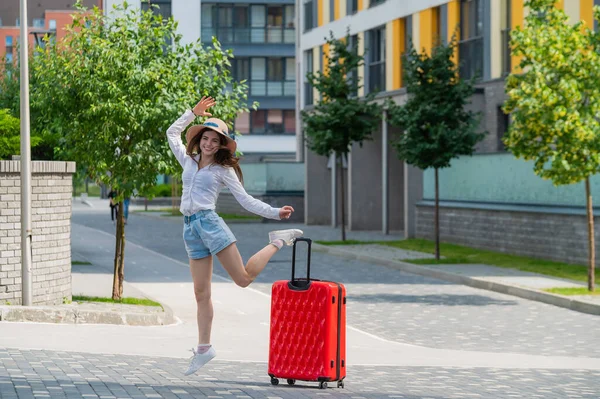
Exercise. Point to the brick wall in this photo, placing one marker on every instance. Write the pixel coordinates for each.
(546, 235)
(51, 186)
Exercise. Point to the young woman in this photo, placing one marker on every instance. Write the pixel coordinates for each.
(209, 164)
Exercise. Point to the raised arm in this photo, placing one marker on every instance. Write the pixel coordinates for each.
(174, 135)
(247, 201)
(175, 130)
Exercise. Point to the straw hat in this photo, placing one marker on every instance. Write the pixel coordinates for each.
(216, 125)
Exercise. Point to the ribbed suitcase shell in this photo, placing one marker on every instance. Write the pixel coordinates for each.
(308, 332)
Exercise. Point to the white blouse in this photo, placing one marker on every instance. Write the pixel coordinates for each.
(201, 187)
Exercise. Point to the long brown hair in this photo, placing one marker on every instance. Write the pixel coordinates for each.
(222, 157)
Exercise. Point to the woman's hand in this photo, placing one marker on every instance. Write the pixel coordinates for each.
(285, 212)
(204, 104)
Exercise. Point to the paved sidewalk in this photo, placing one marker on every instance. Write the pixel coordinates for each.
(507, 281)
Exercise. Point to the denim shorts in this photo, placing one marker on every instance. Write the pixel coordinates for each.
(205, 234)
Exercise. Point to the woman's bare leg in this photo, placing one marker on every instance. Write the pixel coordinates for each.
(201, 275)
(232, 262)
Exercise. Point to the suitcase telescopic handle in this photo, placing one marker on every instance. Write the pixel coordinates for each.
(309, 242)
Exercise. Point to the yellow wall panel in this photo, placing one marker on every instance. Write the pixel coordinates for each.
(325, 58)
(453, 24)
(320, 5)
(361, 69)
(361, 5)
(516, 18)
(425, 25)
(561, 4)
(586, 12)
(397, 50)
(336, 9)
(390, 60)
(316, 67)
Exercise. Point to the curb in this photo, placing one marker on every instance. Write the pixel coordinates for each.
(522, 292)
(71, 314)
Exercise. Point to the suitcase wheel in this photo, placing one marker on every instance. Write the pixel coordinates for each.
(290, 381)
(322, 385)
(340, 384)
(274, 381)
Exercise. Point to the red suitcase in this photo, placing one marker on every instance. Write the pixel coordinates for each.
(308, 329)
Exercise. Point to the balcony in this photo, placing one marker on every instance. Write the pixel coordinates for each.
(250, 35)
(272, 88)
(470, 52)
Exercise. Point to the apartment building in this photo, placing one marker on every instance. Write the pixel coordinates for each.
(47, 17)
(262, 36)
(490, 200)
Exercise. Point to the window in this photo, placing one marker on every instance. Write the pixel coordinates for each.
(8, 42)
(502, 129)
(505, 32)
(353, 77)
(289, 20)
(308, 89)
(273, 76)
(17, 22)
(470, 46)
(310, 20)
(406, 35)
(164, 10)
(436, 27)
(376, 60)
(351, 6)
(38, 23)
(164, 7)
(373, 3)
(241, 69)
(269, 121)
(208, 22)
(242, 123)
(52, 24)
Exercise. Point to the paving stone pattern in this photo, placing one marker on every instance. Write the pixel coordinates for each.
(59, 375)
(397, 306)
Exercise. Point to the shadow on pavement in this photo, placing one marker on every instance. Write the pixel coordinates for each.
(447, 300)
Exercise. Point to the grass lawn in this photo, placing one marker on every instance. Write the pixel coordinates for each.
(228, 217)
(128, 301)
(572, 291)
(93, 190)
(454, 254)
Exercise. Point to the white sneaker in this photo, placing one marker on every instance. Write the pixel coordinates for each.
(288, 236)
(199, 360)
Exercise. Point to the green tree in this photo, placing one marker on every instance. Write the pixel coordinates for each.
(340, 118)
(436, 126)
(554, 102)
(10, 138)
(112, 88)
(42, 145)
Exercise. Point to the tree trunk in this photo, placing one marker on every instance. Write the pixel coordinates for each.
(343, 195)
(437, 216)
(591, 240)
(117, 292)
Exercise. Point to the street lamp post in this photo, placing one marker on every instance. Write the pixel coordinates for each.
(26, 283)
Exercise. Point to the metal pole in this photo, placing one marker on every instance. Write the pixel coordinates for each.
(384, 175)
(299, 84)
(334, 184)
(26, 283)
